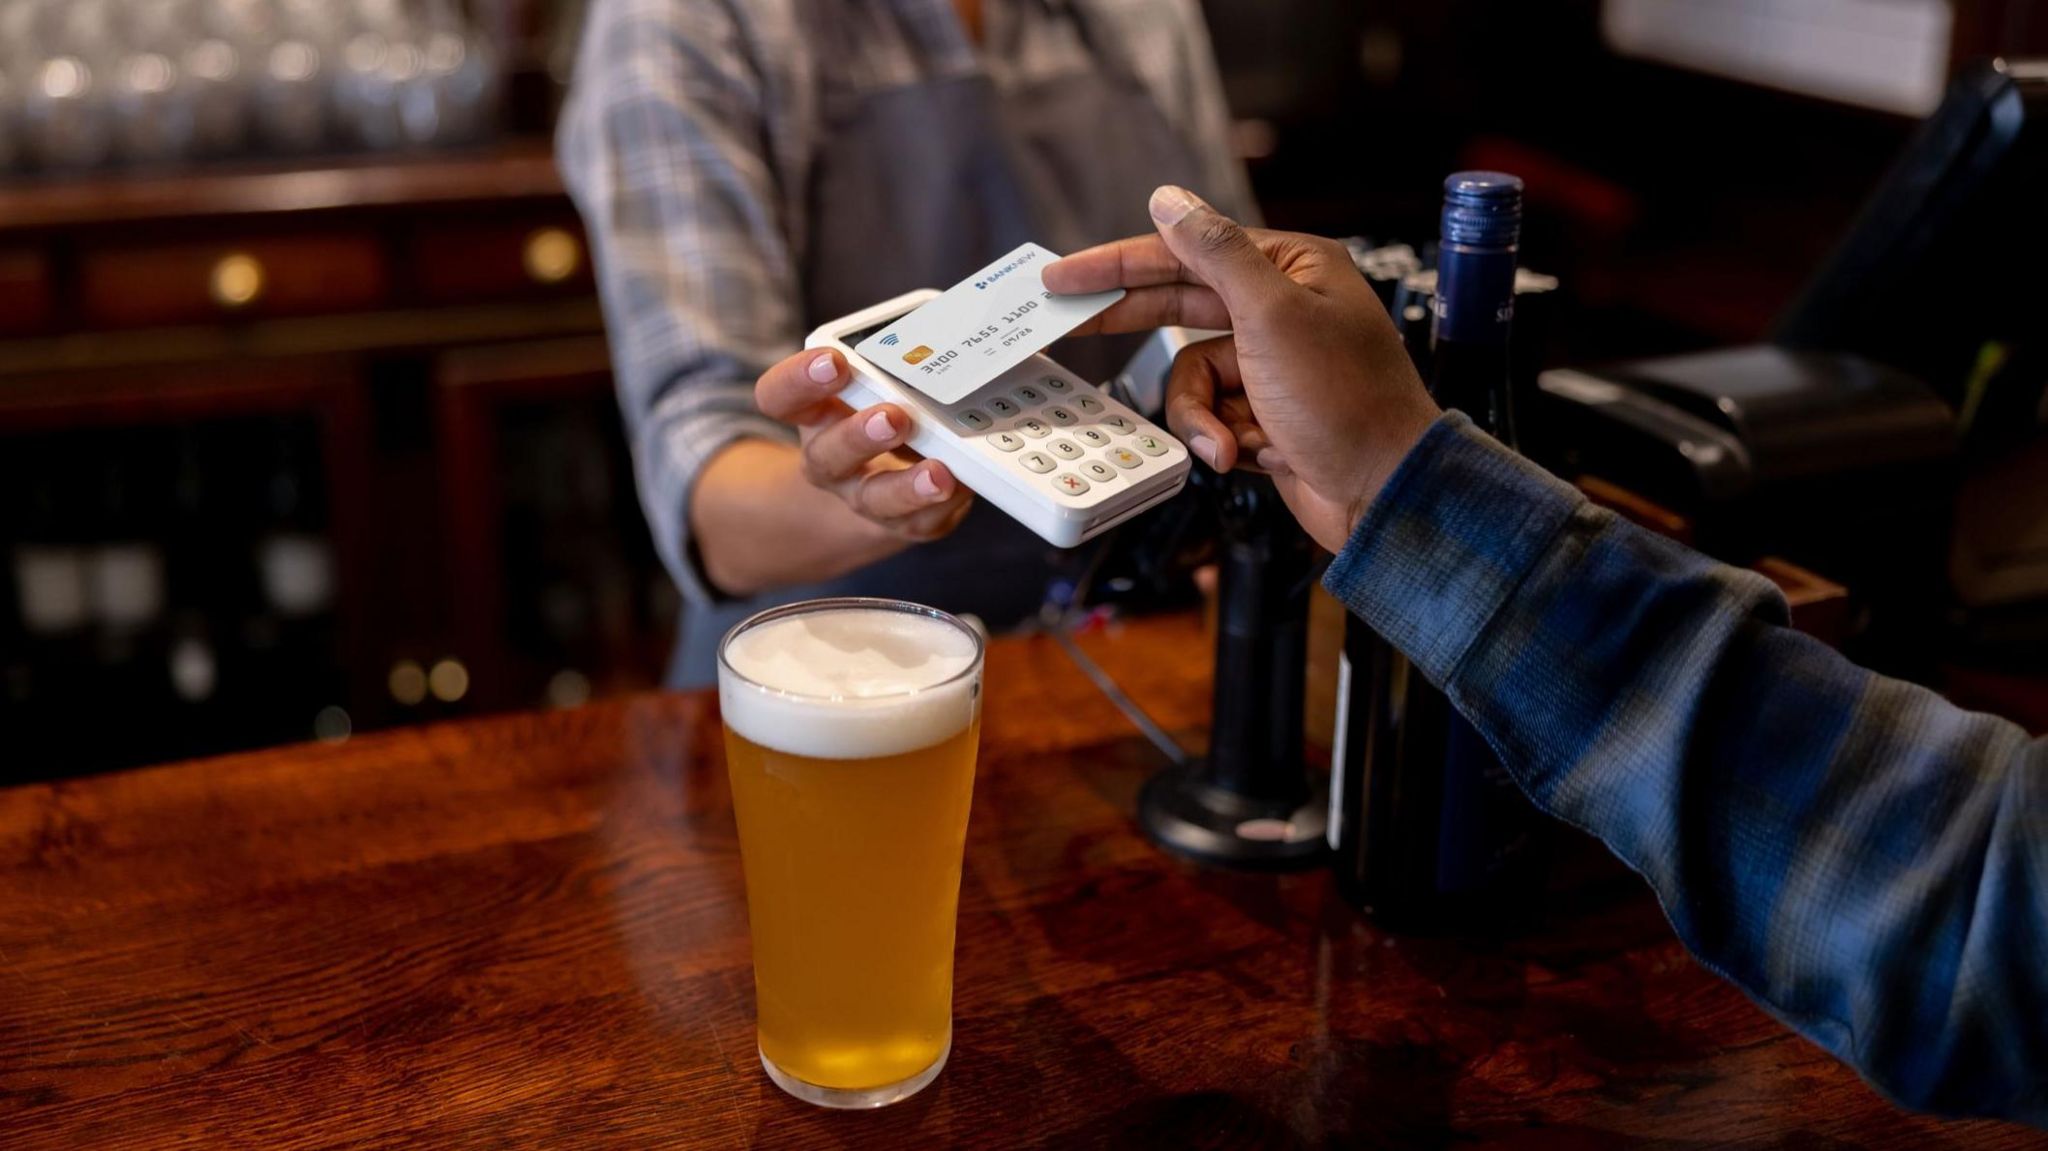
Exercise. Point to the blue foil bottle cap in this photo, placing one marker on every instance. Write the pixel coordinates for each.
(1483, 209)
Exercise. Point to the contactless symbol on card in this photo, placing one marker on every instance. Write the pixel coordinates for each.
(981, 327)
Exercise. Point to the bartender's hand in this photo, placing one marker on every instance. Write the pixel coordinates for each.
(1312, 385)
(766, 514)
(859, 456)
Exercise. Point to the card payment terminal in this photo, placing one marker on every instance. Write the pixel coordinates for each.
(1057, 454)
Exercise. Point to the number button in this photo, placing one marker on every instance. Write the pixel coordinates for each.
(1006, 441)
(1093, 437)
(1120, 423)
(1098, 471)
(1055, 385)
(1036, 428)
(1029, 396)
(1069, 483)
(1003, 407)
(1062, 416)
(1065, 449)
(1125, 458)
(1151, 445)
(1037, 461)
(975, 420)
(1088, 404)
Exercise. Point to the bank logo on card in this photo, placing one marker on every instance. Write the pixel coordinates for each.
(1025, 255)
(980, 327)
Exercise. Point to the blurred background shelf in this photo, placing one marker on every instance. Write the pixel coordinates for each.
(400, 360)
(253, 189)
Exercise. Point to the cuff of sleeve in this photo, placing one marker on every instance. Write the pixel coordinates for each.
(675, 539)
(1449, 539)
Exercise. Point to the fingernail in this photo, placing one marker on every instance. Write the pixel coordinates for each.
(924, 485)
(823, 369)
(1204, 447)
(1171, 204)
(879, 428)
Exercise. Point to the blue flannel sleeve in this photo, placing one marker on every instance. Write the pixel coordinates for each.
(1866, 860)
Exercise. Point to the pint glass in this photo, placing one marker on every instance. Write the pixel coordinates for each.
(850, 732)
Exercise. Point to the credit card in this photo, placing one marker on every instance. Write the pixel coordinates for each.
(981, 327)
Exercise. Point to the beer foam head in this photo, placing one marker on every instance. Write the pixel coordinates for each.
(848, 683)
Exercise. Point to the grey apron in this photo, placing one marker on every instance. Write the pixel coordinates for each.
(1068, 162)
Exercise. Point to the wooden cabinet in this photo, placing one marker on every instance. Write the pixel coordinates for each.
(429, 329)
(539, 255)
(231, 277)
(205, 253)
(25, 289)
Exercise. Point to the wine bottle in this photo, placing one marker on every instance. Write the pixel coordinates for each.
(287, 636)
(125, 566)
(49, 553)
(17, 669)
(53, 604)
(293, 556)
(125, 577)
(192, 664)
(1427, 827)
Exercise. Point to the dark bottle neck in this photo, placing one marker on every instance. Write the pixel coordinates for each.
(1475, 306)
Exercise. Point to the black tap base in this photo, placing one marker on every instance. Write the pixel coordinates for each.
(1184, 813)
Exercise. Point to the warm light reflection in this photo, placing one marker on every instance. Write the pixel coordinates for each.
(552, 255)
(365, 53)
(294, 61)
(449, 680)
(332, 725)
(568, 688)
(64, 77)
(237, 280)
(212, 60)
(150, 73)
(407, 682)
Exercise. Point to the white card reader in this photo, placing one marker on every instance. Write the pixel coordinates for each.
(1053, 451)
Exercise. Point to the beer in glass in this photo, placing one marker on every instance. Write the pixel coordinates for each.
(850, 736)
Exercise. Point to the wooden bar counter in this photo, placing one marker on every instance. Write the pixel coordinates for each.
(531, 931)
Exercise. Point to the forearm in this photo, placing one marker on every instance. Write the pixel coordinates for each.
(1863, 857)
(758, 524)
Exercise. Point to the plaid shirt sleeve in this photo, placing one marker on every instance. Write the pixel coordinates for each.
(1866, 860)
(666, 148)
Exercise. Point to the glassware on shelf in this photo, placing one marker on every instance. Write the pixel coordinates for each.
(66, 115)
(457, 99)
(219, 81)
(89, 83)
(151, 96)
(379, 60)
(9, 132)
(291, 96)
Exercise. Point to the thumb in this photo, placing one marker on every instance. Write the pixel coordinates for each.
(1216, 250)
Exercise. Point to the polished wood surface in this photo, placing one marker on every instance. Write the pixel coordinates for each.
(531, 931)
